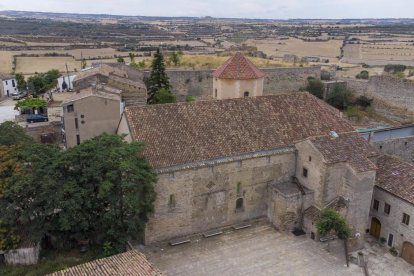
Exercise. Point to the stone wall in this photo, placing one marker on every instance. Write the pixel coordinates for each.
(196, 200)
(392, 223)
(401, 147)
(53, 131)
(199, 83)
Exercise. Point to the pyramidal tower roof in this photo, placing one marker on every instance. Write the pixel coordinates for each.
(238, 67)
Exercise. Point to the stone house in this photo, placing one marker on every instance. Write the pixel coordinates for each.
(89, 113)
(237, 77)
(392, 205)
(221, 163)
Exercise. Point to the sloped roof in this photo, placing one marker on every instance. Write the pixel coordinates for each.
(238, 67)
(348, 147)
(128, 263)
(182, 133)
(396, 176)
(100, 91)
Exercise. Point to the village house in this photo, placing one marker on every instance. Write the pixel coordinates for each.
(8, 85)
(237, 77)
(222, 163)
(392, 207)
(89, 113)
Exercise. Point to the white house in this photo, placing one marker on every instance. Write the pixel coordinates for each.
(9, 85)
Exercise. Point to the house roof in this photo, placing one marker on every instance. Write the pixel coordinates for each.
(102, 69)
(128, 263)
(182, 133)
(100, 91)
(348, 147)
(238, 67)
(6, 76)
(396, 176)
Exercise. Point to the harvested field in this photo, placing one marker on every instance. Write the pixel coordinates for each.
(277, 47)
(30, 65)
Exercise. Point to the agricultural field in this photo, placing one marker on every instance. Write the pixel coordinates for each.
(279, 47)
(380, 53)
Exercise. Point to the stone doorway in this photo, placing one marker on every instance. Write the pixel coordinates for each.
(407, 252)
(375, 228)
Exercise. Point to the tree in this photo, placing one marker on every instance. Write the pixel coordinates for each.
(21, 82)
(106, 190)
(158, 78)
(363, 75)
(132, 57)
(41, 83)
(331, 221)
(83, 63)
(341, 97)
(315, 87)
(13, 134)
(164, 96)
(120, 60)
(175, 58)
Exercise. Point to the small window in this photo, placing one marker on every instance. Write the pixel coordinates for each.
(7, 83)
(246, 94)
(171, 201)
(376, 205)
(239, 204)
(215, 93)
(238, 188)
(406, 219)
(13, 83)
(380, 147)
(387, 208)
(310, 158)
(305, 172)
(77, 139)
(76, 123)
(390, 239)
(70, 108)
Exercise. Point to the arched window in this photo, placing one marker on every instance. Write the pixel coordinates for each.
(239, 204)
(246, 94)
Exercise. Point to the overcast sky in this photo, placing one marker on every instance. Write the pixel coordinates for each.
(271, 9)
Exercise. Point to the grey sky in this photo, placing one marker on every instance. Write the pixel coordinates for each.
(273, 9)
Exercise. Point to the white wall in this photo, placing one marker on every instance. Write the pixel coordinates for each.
(70, 84)
(8, 87)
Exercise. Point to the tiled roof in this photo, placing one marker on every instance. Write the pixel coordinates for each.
(396, 177)
(129, 263)
(100, 91)
(102, 69)
(238, 67)
(182, 133)
(348, 147)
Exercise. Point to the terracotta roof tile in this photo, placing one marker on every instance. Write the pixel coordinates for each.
(348, 147)
(181, 133)
(128, 263)
(238, 67)
(396, 177)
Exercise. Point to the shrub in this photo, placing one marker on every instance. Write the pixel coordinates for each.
(315, 87)
(363, 101)
(399, 75)
(363, 75)
(394, 68)
(393, 251)
(189, 99)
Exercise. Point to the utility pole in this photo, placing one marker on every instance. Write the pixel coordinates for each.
(67, 72)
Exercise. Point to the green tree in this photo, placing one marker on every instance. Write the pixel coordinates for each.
(341, 97)
(41, 83)
(363, 75)
(13, 134)
(164, 96)
(106, 190)
(120, 60)
(315, 87)
(132, 57)
(332, 222)
(158, 78)
(175, 58)
(21, 82)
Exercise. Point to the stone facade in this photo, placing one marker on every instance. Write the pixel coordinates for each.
(401, 147)
(392, 223)
(227, 89)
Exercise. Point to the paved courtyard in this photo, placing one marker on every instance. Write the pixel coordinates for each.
(259, 250)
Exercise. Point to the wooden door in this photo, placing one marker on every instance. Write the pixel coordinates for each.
(375, 228)
(408, 252)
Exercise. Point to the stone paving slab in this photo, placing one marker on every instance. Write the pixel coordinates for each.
(258, 250)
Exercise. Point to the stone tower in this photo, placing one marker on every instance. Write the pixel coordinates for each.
(238, 77)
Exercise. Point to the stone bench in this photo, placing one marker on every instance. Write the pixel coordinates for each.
(179, 241)
(212, 233)
(241, 226)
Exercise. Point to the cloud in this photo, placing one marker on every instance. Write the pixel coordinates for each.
(224, 8)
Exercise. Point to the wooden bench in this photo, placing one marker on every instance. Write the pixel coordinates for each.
(212, 233)
(241, 226)
(179, 241)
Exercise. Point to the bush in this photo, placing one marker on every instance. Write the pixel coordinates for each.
(393, 251)
(394, 68)
(399, 75)
(189, 99)
(363, 101)
(363, 75)
(341, 97)
(315, 87)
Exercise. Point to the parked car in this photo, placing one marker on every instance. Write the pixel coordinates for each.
(35, 118)
(19, 96)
